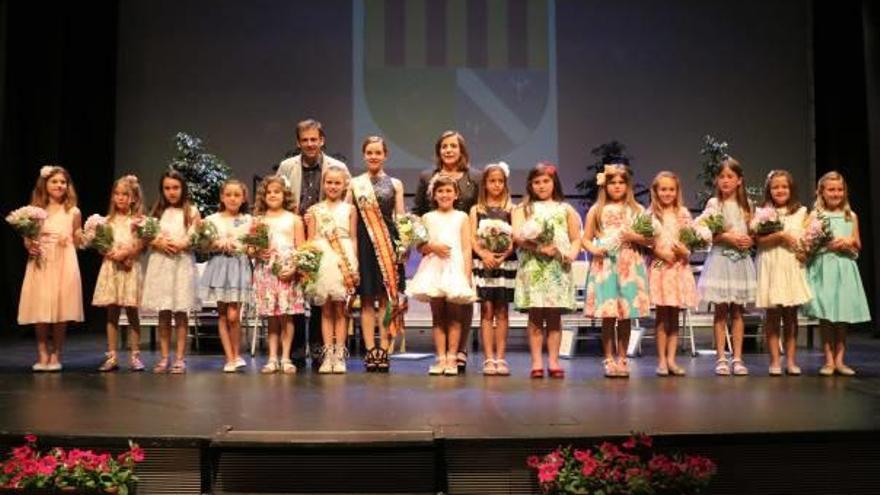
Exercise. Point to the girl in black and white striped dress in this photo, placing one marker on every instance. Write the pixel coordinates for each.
(494, 264)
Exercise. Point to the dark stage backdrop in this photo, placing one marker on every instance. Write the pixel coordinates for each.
(102, 86)
(523, 80)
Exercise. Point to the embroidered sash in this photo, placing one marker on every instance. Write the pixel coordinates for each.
(383, 244)
(326, 224)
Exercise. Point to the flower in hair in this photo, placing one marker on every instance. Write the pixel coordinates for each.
(46, 171)
(600, 179)
(551, 169)
(130, 178)
(505, 169)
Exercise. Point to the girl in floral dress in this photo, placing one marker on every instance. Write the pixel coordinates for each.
(547, 232)
(671, 280)
(617, 284)
(119, 281)
(278, 297)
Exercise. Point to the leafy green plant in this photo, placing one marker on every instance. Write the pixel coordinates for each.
(204, 172)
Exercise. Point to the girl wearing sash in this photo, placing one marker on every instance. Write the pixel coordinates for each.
(330, 225)
(377, 198)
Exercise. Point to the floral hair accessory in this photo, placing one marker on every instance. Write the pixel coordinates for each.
(46, 171)
(130, 178)
(551, 169)
(505, 169)
(600, 177)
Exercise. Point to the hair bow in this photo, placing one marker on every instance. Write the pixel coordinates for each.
(505, 169)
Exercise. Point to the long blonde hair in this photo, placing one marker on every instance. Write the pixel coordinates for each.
(742, 198)
(483, 196)
(614, 170)
(820, 201)
(40, 195)
(655, 207)
(135, 196)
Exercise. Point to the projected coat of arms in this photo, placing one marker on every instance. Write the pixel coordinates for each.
(484, 67)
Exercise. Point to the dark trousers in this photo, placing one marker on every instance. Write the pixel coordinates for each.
(307, 330)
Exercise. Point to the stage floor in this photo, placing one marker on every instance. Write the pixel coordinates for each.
(205, 402)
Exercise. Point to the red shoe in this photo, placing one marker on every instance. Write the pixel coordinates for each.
(537, 373)
(556, 373)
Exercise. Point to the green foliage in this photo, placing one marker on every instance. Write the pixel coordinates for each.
(204, 172)
(713, 153)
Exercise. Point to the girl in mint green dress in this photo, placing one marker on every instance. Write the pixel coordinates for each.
(838, 294)
(617, 284)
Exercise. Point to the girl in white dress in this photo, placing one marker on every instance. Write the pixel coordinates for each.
(444, 274)
(170, 280)
(782, 277)
(332, 224)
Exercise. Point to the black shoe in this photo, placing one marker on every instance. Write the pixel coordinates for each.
(371, 360)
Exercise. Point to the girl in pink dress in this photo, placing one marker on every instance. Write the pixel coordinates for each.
(278, 296)
(670, 280)
(120, 280)
(51, 294)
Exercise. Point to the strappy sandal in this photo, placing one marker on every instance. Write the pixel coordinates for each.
(179, 367)
(370, 358)
(111, 363)
(610, 368)
(161, 366)
(739, 369)
(461, 358)
(135, 363)
(489, 368)
(382, 362)
(502, 368)
(270, 367)
(623, 368)
(722, 367)
(287, 367)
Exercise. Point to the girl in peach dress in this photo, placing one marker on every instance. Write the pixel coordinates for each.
(51, 294)
(670, 279)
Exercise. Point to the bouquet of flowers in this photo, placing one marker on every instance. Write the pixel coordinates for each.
(28, 221)
(98, 234)
(307, 260)
(695, 236)
(496, 235)
(257, 237)
(203, 237)
(538, 229)
(817, 235)
(411, 232)
(643, 225)
(631, 467)
(712, 219)
(766, 221)
(145, 228)
(30, 469)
